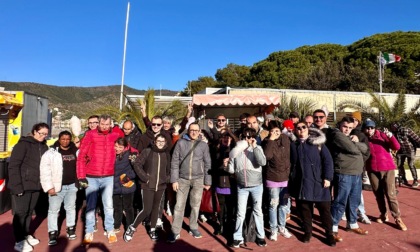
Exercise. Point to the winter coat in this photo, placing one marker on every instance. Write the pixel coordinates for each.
(380, 157)
(277, 153)
(134, 138)
(221, 177)
(194, 166)
(347, 155)
(362, 139)
(123, 166)
(24, 165)
(97, 154)
(246, 163)
(51, 168)
(311, 163)
(146, 140)
(153, 167)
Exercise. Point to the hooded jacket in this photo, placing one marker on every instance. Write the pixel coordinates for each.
(51, 167)
(277, 153)
(153, 167)
(193, 166)
(123, 166)
(380, 157)
(246, 163)
(134, 138)
(24, 165)
(311, 163)
(146, 140)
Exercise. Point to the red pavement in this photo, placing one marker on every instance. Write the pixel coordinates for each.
(381, 237)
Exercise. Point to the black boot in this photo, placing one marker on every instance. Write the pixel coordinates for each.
(331, 241)
(71, 233)
(306, 237)
(52, 238)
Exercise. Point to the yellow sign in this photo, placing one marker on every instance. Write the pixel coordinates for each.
(15, 125)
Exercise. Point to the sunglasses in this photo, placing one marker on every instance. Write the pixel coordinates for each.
(249, 137)
(301, 128)
(369, 128)
(221, 120)
(319, 117)
(156, 124)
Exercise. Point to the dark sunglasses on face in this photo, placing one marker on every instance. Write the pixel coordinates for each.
(249, 137)
(319, 117)
(156, 124)
(369, 128)
(221, 120)
(301, 127)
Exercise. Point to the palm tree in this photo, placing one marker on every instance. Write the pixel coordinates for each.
(303, 107)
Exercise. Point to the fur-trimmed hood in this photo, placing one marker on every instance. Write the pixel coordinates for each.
(316, 137)
(240, 147)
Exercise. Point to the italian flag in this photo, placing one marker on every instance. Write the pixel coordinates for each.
(388, 58)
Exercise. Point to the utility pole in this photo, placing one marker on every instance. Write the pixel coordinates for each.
(125, 48)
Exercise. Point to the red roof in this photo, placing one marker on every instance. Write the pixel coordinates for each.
(232, 100)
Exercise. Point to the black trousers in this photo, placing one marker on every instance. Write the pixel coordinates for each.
(123, 202)
(151, 207)
(23, 207)
(227, 204)
(306, 213)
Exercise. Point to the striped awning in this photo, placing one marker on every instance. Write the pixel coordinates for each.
(235, 100)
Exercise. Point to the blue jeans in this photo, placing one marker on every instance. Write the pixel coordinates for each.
(68, 195)
(279, 207)
(105, 186)
(256, 193)
(347, 190)
(361, 207)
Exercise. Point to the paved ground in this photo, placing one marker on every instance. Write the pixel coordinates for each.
(381, 237)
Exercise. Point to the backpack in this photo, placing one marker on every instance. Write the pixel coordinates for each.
(249, 229)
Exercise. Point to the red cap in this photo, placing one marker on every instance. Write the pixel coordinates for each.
(288, 124)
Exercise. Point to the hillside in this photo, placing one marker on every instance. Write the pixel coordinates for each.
(79, 101)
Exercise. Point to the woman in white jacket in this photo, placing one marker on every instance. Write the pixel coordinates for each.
(58, 179)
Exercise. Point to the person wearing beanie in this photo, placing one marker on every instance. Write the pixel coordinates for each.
(380, 168)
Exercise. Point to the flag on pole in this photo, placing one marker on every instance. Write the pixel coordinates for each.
(388, 58)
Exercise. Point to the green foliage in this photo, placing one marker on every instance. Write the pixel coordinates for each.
(293, 104)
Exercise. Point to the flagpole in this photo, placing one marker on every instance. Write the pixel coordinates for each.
(125, 48)
(380, 72)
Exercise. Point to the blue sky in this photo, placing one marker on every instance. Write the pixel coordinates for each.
(80, 42)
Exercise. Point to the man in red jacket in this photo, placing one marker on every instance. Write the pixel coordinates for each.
(95, 171)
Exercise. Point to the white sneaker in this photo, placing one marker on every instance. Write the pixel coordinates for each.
(159, 223)
(32, 240)
(203, 218)
(273, 235)
(284, 232)
(344, 217)
(23, 246)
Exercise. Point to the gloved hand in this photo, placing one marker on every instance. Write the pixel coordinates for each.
(83, 183)
(387, 133)
(126, 181)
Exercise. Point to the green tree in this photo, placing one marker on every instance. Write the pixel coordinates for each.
(293, 104)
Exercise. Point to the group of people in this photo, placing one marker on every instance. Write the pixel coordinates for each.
(258, 168)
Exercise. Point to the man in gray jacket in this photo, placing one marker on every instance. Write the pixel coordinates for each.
(189, 174)
(347, 153)
(246, 161)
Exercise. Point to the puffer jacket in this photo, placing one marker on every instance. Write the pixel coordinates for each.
(24, 165)
(153, 167)
(97, 154)
(194, 166)
(134, 138)
(246, 163)
(277, 153)
(380, 157)
(311, 163)
(51, 168)
(123, 166)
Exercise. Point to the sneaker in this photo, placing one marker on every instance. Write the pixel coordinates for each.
(117, 230)
(237, 243)
(88, 239)
(112, 237)
(71, 233)
(261, 242)
(173, 237)
(23, 246)
(129, 233)
(168, 211)
(344, 217)
(32, 240)
(159, 223)
(284, 232)
(154, 235)
(415, 184)
(364, 219)
(400, 224)
(195, 233)
(273, 235)
(382, 218)
(203, 218)
(337, 238)
(52, 238)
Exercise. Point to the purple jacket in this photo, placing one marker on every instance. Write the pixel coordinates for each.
(380, 157)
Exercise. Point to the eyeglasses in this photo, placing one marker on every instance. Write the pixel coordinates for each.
(369, 128)
(156, 124)
(42, 133)
(160, 141)
(319, 117)
(249, 137)
(301, 127)
(93, 122)
(196, 131)
(221, 120)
